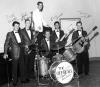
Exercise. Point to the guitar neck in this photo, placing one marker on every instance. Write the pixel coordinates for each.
(89, 33)
(93, 36)
(66, 36)
(32, 23)
(92, 30)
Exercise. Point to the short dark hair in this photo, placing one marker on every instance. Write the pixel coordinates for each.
(79, 22)
(15, 22)
(26, 20)
(47, 31)
(40, 2)
(56, 22)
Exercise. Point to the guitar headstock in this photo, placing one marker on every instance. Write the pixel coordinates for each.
(71, 31)
(31, 12)
(94, 28)
(96, 34)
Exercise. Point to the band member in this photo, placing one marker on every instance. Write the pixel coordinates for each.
(46, 44)
(57, 34)
(83, 57)
(14, 42)
(39, 21)
(29, 49)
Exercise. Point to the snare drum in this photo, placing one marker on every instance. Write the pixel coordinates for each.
(61, 71)
(69, 54)
(43, 66)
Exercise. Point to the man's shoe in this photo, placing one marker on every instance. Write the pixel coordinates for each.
(27, 80)
(87, 74)
(14, 84)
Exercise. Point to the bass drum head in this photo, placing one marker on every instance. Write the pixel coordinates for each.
(61, 71)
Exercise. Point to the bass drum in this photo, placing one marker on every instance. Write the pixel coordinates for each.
(61, 71)
(43, 66)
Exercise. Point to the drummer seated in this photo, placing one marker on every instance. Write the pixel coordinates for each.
(46, 44)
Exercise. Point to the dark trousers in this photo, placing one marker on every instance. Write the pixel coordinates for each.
(83, 63)
(18, 65)
(29, 65)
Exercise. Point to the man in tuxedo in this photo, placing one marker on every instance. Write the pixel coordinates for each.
(29, 49)
(14, 42)
(82, 58)
(46, 44)
(57, 34)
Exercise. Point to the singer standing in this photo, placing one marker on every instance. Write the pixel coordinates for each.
(14, 41)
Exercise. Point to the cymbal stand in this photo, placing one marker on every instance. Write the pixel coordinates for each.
(76, 73)
(58, 48)
(76, 76)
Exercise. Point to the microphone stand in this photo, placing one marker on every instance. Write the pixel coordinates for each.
(37, 58)
(8, 75)
(8, 83)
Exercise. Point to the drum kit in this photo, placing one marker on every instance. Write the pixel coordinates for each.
(61, 70)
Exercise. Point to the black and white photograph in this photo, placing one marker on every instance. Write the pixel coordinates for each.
(49, 43)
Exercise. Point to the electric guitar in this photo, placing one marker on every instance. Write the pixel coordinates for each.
(64, 38)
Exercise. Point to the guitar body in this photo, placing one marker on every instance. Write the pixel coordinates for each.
(83, 42)
(64, 39)
(79, 47)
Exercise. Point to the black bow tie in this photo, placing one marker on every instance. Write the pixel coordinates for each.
(78, 30)
(16, 32)
(47, 39)
(57, 31)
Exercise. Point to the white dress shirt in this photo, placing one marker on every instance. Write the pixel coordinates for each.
(80, 33)
(38, 20)
(48, 43)
(17, 37)
(29, 33)
(57, 33)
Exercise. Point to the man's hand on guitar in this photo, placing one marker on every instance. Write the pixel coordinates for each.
(5, 56)
(57, 40)
(26, 48)
(86, 43)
